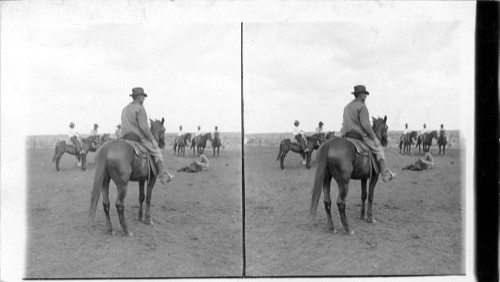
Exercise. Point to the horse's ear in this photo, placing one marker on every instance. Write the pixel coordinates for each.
(385, 118)
(162, 121)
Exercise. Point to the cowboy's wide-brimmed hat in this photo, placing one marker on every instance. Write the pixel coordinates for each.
(359, 89)
(138, 91)
(96, 125)
(71, 124)
(321, 123)
(296, 122)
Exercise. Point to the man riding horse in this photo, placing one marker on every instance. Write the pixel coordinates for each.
(135, 122)
(357, 119)
(319, 129)
(74, 138)
(299, 136)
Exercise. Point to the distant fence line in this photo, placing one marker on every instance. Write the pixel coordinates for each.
(229, 139)
(274, 139)
(50, 141)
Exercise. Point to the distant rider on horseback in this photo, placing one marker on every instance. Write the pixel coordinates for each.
(198, 132)
(74, 137)
(356, 118)
(180, 133)
(95, 130)
(406, 129)
(118, 132)
(442, 132)
(319, 129)
(299, 136)
(135, 122)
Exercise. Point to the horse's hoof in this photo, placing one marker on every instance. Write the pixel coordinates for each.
(370, 220)
(130, 234)
(349, 232)
(111, 232)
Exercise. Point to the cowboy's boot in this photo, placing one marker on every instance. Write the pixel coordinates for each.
(303, 145)
(163, 175)
(387, 175)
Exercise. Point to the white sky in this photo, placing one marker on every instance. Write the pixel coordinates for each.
(84, 74)
(414, 72)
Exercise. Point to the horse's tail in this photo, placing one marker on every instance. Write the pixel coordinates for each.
(280, 152)
(100, 171)
(321, 166)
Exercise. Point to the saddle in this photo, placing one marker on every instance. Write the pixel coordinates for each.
(142, 152)
(363, 150)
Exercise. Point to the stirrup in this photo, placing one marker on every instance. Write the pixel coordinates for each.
(391, 176)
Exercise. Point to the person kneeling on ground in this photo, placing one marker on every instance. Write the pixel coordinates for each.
(426, 163)
(196, 166)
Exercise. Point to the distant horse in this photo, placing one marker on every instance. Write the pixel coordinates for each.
(202, 142)
(194, 142)
(441, 141)
(426, 141)
(180, 144)
(406, 140)
(330, 135)
(312, 142)
(216, 143)
(116, 160)
(339, 159)
(88, 145)
(99, 139)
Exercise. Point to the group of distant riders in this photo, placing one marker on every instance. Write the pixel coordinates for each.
(356, 118)
(134, 121)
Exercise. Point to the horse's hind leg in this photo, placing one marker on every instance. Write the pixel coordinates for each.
(141, 199)
(371, 194)
(58, 158)
(328, 202)
(151, 184)
(120, 207)
(343, 190)
(282, 159)
(363, 198)
(106, 204)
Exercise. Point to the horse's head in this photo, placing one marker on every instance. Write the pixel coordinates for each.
(158, 131)
(434, 134)
(413, 134)
(105, 138)
(330, 135)
(209, 136)
(187, 138)
(380, 128)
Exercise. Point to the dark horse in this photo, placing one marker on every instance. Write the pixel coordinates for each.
(88, 145)
(216, 143)
(338, 158)
(116, 160)
(426, 141)
(180, 144)
(201, 142)
(441, 141)
(312, 142)
(406, 140)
